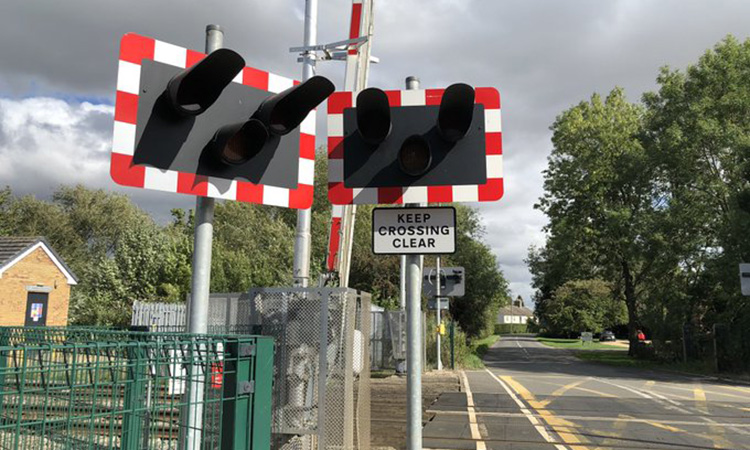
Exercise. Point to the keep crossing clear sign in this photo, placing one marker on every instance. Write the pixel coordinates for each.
(401, 231)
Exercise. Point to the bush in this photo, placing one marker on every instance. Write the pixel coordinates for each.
(644, 351)
(507, 328)
(464, 355)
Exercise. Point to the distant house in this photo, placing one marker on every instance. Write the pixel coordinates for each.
(34, 283)
(516, 313)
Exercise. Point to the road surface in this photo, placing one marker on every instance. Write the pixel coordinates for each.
(535, 397)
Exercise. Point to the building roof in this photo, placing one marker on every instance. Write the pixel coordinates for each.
(523, 311)
(15, 248)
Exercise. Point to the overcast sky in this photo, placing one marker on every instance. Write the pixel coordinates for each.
(58, 64)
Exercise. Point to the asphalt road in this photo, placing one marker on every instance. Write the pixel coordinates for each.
(535, 397)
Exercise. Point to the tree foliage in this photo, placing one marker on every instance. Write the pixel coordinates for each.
(585, 305)
(660, 191)
(121, 255)
(598, 193)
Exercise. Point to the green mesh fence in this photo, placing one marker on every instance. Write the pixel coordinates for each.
(97, 389)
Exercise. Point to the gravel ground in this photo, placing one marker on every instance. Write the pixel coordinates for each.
(388, 410)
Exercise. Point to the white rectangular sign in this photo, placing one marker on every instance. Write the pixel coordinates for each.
(421, 231)
(745, 278)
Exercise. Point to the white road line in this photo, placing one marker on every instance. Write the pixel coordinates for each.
(518, 343)
(594, 419)
(473, 425)
(626, 388)
(531, 417)
(671, 404)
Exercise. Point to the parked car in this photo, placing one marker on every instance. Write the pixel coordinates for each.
(607, 336)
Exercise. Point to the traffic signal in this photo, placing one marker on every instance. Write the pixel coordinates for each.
(452, 282)
(412, 146)
(208, 125)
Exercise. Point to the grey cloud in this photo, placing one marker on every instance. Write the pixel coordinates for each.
(544, 56)
(3, 137)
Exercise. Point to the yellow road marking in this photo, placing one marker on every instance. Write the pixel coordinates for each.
(650, 383)
(558, 392)
(559, 425)
(594, 391)
(536, 423)
(692, 390)
(700, 400)
(702, 405)
(618, 430)
(735, 388)
(662, 426)
(719, 442)
(723, 394)
(582, 389)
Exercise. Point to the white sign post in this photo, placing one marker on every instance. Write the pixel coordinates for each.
(414, 231)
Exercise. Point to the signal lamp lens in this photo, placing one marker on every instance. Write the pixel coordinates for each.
(415, 157)
(245, 143)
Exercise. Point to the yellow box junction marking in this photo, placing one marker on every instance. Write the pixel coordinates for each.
(560, 426)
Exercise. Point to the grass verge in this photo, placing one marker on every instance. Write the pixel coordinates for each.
(576, 344)
(621, 359)
(473, 359)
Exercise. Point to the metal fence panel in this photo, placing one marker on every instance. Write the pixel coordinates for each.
(381, 342)
(322, 339)
(102, 389)
(323, 364)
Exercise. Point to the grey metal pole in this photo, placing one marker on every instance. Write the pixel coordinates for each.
(201, 278)
(200, 287)
(413, 354)
(301, 271)
(437, 297)
(204, 232)
(402, 283)
(413, 339)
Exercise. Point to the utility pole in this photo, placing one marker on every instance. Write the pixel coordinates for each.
(301, 271)
(413, 338)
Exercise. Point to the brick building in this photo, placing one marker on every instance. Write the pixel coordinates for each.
(34, 283)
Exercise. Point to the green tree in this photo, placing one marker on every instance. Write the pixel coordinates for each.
(486, 286)
(6, 196)
(598, 190)
(253, 246)
(143, 266)
(698, 129)
(584, 305)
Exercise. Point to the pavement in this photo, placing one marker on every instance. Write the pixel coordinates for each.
(388, 405)
(534, 397)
